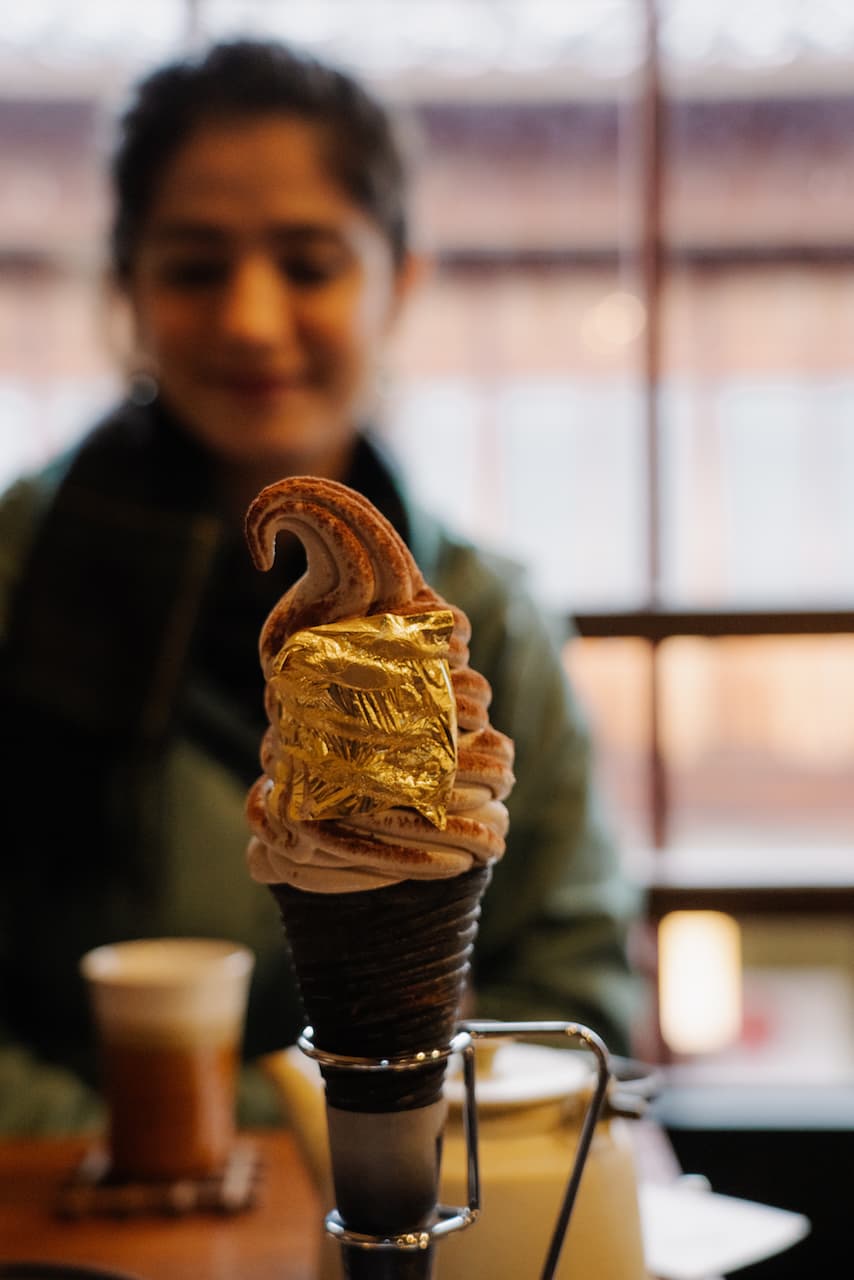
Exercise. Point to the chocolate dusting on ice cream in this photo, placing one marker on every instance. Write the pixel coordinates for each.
(358, 566)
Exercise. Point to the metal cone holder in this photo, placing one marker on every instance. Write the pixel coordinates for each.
(446, 1218)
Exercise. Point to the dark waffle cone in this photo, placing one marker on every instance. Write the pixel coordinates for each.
(382, 973)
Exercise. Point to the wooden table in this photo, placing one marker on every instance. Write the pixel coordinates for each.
(275, 1240)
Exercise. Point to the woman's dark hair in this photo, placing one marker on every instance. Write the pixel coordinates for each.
(246, 78)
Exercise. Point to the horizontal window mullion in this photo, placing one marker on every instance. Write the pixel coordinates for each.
(661, 624)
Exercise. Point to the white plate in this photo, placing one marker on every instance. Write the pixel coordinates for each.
(521, 1074)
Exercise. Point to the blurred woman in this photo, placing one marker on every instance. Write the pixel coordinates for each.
(260, 239)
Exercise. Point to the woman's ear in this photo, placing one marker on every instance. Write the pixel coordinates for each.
(115, 318)
(122, 339)
(417, 268)
(413, 272)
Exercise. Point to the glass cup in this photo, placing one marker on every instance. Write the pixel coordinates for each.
(169, 1016)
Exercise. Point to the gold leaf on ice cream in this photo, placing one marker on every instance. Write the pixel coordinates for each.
(366, 717)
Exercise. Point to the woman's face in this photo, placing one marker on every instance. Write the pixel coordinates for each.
(262, 294)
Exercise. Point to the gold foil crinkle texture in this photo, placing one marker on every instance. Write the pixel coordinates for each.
(366, 718)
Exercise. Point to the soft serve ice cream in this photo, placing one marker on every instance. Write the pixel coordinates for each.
(358, 567)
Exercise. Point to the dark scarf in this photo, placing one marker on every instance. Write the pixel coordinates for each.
(137, 616)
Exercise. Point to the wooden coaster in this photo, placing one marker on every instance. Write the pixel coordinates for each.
(92, 1190)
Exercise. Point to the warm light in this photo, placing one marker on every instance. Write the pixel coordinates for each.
(615, 320)
(699, 980)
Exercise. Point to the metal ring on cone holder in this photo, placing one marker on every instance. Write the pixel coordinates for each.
(455, 1219)
(305, 1040)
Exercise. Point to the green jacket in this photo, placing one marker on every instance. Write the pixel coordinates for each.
(131, 708)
